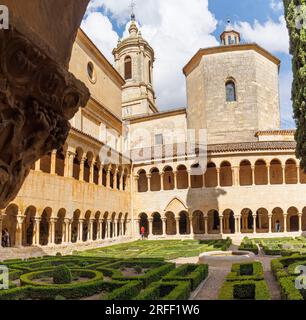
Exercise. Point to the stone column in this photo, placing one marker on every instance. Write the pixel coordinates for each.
(92, 171)
(80, 233)
(189, 179)
(71, 161)
(285, 222)
(269, 178)
(37, 231)
(20, 219)
(253, 175)
(121, 181)
(82, 163)
(100, 178)
(164, 220)
(136, 179)
(150, 224)
(162, 181)
(284, 174)
(108, 172)
(205, 225)
(110, 229)
(191, 226)
(137, 227)
(298, 175)
(100, 230)
(37, 165)
(53, 162)
(254, 223)
(90, 231)
(300, 222)
(149, 176)
(175, 180)
(115, 178)
(237, 228)
(270, 222)
(177, 225)
(67, 231)
(128, 228)
(52, 231)
(66, 164)
(221, 224)
(218, 177)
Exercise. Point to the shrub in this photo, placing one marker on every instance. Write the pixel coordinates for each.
(288, 289)
(246, 269)
(138, 269)
(125, 291)
(193, 273)
(236, 275)
(62, 275)
(58, 254)
(244, 291)
(232, 290)
(166, 291)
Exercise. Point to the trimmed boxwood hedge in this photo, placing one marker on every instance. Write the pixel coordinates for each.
(279, 266)
(235, 274)
(124, 291)
(248, 245)
(166, 291)
(150, 276)
(193, 273)
(288, 289)
(233, 290)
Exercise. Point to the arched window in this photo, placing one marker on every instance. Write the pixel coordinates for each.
(230, 91)
(127, 68)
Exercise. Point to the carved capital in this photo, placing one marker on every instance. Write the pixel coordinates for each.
(38, 97)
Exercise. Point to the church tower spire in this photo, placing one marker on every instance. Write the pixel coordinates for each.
(134, 60)
(229, 36)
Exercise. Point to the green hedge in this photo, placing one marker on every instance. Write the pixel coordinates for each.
(193, 273)
(236, 275)
(239, 290)
(288, 289)
(150, 276)
(27, 279)
(279, 266)
(125, 291)
(166, 291)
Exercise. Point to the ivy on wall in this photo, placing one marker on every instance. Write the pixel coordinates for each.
(295, 12)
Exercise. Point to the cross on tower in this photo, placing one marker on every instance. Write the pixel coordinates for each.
(132, 6)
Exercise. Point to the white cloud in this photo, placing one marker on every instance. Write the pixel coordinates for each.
(276, 5)
(176, 29)
(271, 35)
(100, 30)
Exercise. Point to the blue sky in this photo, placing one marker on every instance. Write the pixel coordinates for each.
(176, 29)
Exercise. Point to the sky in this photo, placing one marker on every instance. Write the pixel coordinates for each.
(177, 29)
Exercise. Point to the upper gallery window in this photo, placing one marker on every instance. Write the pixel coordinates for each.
(230, 91)
(127, 68)
(159, 139)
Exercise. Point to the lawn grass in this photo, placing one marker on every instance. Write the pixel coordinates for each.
(165, 249)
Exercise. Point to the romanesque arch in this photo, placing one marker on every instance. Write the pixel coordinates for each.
(29, 226)
(182, 177)
(245, 173)
(211, 176)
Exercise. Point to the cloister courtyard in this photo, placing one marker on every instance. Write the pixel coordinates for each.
(161, 270)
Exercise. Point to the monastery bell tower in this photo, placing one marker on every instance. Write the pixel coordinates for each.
(134, 60)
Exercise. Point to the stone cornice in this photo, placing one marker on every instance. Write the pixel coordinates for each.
(196, 59)
(276, 133)
(160, 115)
(104, 63)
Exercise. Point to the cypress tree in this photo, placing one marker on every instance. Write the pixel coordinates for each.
(295, 12)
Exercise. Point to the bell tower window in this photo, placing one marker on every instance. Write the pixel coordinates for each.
(127, 68)
(150, 72)
(230, 91)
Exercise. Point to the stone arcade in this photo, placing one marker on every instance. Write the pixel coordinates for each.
(73, 199)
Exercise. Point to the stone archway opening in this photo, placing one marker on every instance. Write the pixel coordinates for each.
(29, 226)
(293, 220)
(277, 220)
(155, 183)
(213, 222)
(144, 222)
(75, 226)
(170, 224)
(157, 226)
(198, 222)
(9, 225)
(60, 227)
(211, 176)
(184, 223)
(44, 227)
(245, 173)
